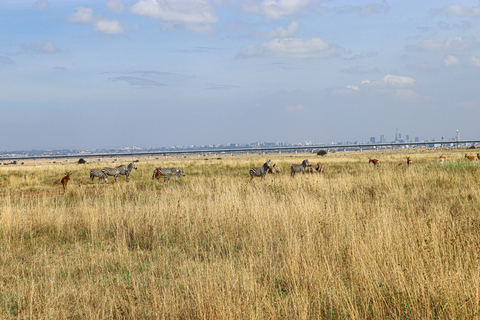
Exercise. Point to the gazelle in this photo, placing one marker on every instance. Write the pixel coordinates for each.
(64, 180)
(470, 158)
(409, 162)
(374, 161)
(443, 159)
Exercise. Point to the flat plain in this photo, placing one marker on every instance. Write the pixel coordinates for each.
(355, 242)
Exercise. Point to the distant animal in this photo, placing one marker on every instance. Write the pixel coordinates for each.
(274, 169)
(409, 162)
(318, 167)
(470, 158)
(112, 171)
(98, 173)
(297, 168)
(309, 169)
(478, 156)
(159, 172)
(126, 170)
(173, 176)
(374, 161)
(443, 159)
(260, 171)
(64, 180)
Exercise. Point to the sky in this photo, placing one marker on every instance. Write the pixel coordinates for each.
(156, 73)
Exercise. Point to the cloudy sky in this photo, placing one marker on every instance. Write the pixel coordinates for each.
(94, 74)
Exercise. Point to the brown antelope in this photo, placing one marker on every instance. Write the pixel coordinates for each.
(409, 162)
(274, 169)
(478, 156)
(443, 159)
(470, 158)
(374, 161)
(64, 180)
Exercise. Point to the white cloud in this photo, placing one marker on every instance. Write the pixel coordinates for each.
(282, 32)
(41, 5)
(276, 8)
(473, 61)
(108, 26)
(115, 6)
(367, 10)
(459, 10)
(397, 81)
(85, 15)
(291, 48)
(457, 43)
(297, 108)
(195, 15)
(450, 61)
(45, 47)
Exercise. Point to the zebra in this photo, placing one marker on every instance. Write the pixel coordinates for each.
(158, 172)
(260, 171)
(173, 176)
(296, 168)
(125, 171)
(112, 171)
(98, 173)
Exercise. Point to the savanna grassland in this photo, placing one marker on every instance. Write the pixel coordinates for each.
(355, 242)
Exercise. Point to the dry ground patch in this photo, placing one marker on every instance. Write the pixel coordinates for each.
(354, 242)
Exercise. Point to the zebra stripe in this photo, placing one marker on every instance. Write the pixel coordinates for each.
(112, 171)
(158, 172)
(98, 173)
(260, 171)
(126, 170)
(297, 168)
(173, 176)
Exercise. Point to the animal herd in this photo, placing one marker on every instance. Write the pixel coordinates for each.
(176, 173)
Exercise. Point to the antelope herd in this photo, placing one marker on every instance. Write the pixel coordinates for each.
(175, 173)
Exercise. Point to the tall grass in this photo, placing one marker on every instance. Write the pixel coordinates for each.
(355, 242)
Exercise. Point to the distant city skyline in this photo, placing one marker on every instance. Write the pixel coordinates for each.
(112, 73)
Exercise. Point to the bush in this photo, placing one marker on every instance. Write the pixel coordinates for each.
(82, 161)
(321, 153)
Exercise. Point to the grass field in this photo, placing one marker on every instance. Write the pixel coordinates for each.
(355, 242)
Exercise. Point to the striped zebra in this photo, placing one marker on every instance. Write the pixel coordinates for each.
(159, 172)
(112, 171)
(297, 168)
(98, 173)
(125, 171)
(173, 176)
(260, 171)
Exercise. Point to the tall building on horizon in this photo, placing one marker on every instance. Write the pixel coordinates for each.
(458, 136)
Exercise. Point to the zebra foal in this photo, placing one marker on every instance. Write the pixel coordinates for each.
(260, 171)
(173, 176)
(297, 168)
(98, 173)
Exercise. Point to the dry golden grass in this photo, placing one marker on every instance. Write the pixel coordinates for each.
(355, 242)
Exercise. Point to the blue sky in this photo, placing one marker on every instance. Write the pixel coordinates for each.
(95, 74)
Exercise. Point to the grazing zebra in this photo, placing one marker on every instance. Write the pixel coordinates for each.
(297, 168)
(260, 171)
(98, 173)
(158, 172)
(173, 176)
(126, 170)
(112, 171)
